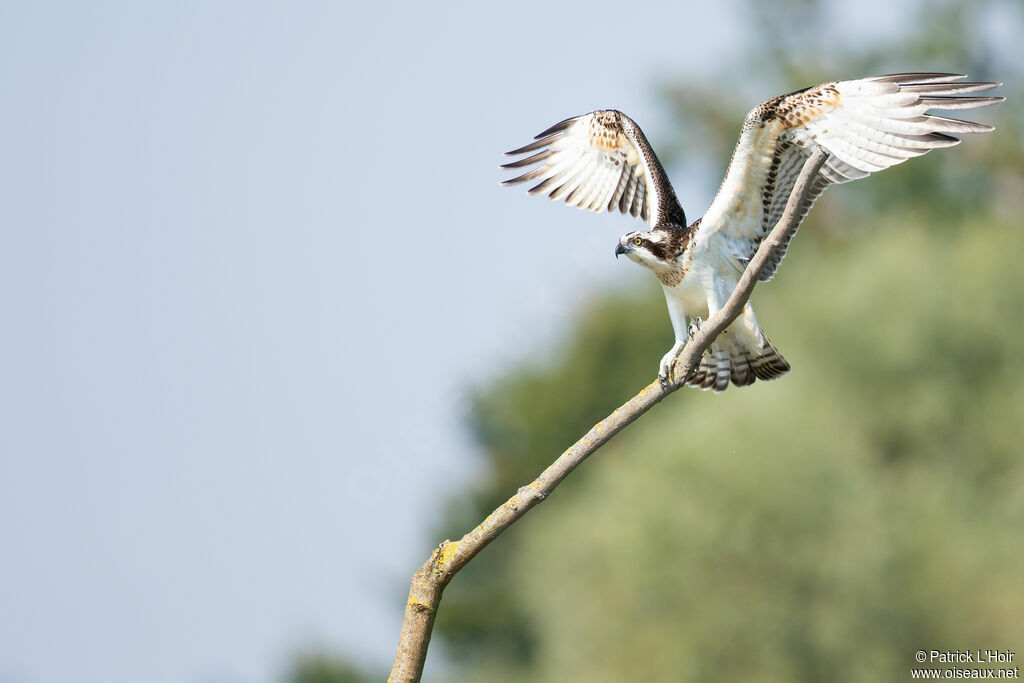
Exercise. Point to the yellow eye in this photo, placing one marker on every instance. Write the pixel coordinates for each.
(637, 241)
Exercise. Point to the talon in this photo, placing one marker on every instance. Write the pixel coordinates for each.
(666, 368)
(665, 375)
(694, 327)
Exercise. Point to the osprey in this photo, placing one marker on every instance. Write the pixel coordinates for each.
(602, 160)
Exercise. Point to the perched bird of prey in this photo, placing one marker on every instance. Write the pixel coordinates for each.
(602, 160)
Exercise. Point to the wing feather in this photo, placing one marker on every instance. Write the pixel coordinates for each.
(865, 126)
(948, 88)
(599, 161)
(530, 160)
(914, 77)
(629, 194)
(615, 200)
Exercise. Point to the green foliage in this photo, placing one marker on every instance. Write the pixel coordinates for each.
(822, 527)
(317, 667)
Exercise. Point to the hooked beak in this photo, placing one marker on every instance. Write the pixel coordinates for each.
(619, 250)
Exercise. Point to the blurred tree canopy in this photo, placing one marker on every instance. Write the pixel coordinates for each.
(822, 527)
(322, 667)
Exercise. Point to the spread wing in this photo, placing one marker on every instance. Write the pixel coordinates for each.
(600, 161)
(865, 126)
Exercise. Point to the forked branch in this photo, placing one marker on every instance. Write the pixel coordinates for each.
(430, 580)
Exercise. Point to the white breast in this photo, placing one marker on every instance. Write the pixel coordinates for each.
(690, 294)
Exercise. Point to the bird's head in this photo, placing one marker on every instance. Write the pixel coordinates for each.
(649, 248)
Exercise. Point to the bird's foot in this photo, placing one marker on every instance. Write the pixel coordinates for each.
(668, 363)
(694, 327)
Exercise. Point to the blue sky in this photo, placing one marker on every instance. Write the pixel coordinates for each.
(253, 257)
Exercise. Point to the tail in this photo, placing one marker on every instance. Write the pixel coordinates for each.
(743, 364)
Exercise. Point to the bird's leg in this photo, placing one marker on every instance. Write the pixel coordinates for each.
(677, 315)
(668, 362)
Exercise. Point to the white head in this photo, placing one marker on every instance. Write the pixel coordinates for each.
(650, 248)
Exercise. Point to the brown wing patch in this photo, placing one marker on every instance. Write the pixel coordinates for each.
(605, 131)
(800, 107)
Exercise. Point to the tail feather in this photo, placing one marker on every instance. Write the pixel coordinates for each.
(770, 364)
(725, 362)
(704, 375)
(742, 373)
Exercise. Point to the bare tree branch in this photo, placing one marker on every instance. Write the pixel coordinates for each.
(429, 582)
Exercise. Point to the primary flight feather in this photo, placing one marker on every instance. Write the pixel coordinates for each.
(602, 161)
